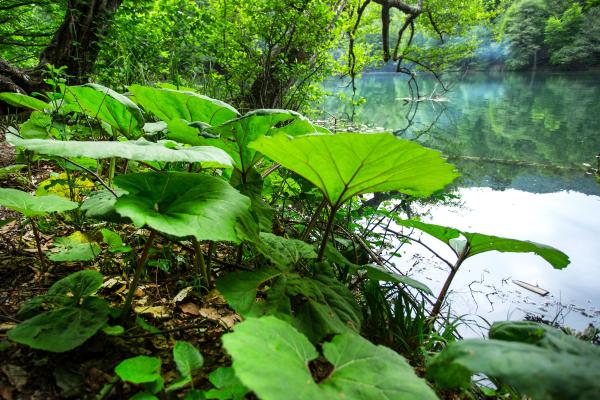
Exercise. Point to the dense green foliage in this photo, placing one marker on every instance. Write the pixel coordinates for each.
(302, 300)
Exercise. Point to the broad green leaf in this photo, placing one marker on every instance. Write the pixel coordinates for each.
(227, 385)
(347, 164)
(141, 149)
(239, 288)
(100, 102)
(324, 306)
(187, 358)
(140, 369)
(541, 373)
(194, 394)
(256, 124)
(116, 330)
(62, 329)
(101, 205)
(77, 285)
(168, 104)
(363, 370)
(32, 206)
(75, 247)
(541, 335)
(182, 204)
(36, 127)
(271, 358)
(22, 100)
(284, 252)
(181, 132)
(479, 243)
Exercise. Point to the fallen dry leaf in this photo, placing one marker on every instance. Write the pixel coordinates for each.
(16, 375)
(190, 308)
(157, 312)
(183, 294)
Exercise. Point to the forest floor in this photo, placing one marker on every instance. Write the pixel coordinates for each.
(169, 309)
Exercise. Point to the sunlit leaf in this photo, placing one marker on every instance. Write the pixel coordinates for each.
(361, 370)
(75, 247)
(32, 206)
(140, 369)
(344, 165)
(244, 130)
(378, 273)
(168, 104)
(141, 149)
(227, 385)
(182, 204)
(115, 109)
(22, 100)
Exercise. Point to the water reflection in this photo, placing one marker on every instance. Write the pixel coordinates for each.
(519, 141)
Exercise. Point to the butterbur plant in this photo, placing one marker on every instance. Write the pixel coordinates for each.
(146, 371)
(32, 207)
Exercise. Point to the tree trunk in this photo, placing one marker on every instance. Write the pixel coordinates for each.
(75, 45)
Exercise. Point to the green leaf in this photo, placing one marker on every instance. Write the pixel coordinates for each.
(281, 352)
(77, 285)
(100, 102)
(179, 383)
(140, 369)
(114, 241)
(194, 394)
(182, 204)
(168, 104)
(478, 243)
(116, 330)
(324, 307)
(22, 100)
(143, 396)
(363, 370)
(344, 165)
(32, 206)
(101, 205)
(379, 273)
(62, 329)
(75, 247)
(534, 371)
(227, 385)
(187, 358)
(239, 288)
(36, 127)
(284, 252)
(140, 150)
(271, 358)
(254, 125)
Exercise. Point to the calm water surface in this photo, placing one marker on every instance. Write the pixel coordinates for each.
(519, 141)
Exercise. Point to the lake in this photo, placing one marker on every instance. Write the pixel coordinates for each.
(519, 141)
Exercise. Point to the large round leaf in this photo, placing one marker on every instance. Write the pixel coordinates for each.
(165, 150)
(271, 358)
(168, 104)
(256, 124)
(62, 329)
(100, 102)
(30, 205)
(182, 204)
(348, 164)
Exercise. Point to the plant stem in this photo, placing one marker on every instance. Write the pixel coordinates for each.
(326, 233)
(437, 306)
(211, 250)
(313, 220)
(200, 263)
(240, 254)
(111, 171)
(38, 243)
(136, 277)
